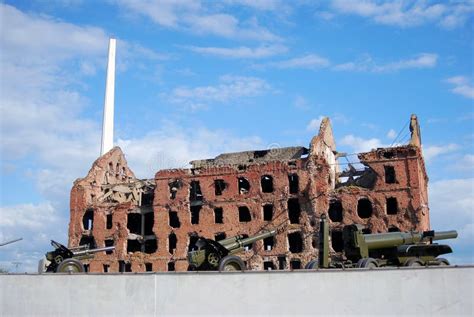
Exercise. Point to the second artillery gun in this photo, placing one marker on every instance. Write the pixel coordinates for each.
(67, 260)
(384, 249)
(219, 255)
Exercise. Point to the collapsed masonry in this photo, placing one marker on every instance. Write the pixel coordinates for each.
(153, 223)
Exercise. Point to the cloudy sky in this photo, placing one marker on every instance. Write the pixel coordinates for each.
(197, 78)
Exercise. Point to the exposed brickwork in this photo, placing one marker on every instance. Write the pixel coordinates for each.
(142, 213)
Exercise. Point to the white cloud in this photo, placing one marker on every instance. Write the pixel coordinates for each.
(451, 203)
(432, 151)
(391, 134)
(240, 52)
(462, 86)
(192, 16)
(408, 13)
(360, 145)
(367, 64)
(314, 124)
(310, 61)
(228, 89)
(301, 103)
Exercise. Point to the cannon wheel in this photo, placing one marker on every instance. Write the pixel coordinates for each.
(367, 263)
(312, 265)
(413, 262)
(213, 259)
(443, 262)
(231, 263)
(70, 266)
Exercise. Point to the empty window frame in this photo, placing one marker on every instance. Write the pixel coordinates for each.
(295, 264)
(195, 193)
(268, 243)
(294, 210)
(172, 242)
(134, 246)
(174, 219)
(88, 219)
(293, 182)
(244, 214)
(244, 185)
(268, 266)
(282, 262)
(88, 240)
(171, 266)
(390, 177)
(134, 223)
(268, 212)
(195, 211)
(109, 243)
(218, 215)
(174, 185)
(392, 206)
(105, 268)
(295, 242)
(337, 241)
(109, 221)
(393, 229)
(219, 186)
(148, 267)
(335, 210)
(266, 182)
(192, 242)
(147, 198)
(364, 208)
(151, 245)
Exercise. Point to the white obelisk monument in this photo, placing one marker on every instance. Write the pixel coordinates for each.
(108, 124)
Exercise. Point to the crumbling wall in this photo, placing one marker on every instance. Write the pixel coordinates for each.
(153, 223)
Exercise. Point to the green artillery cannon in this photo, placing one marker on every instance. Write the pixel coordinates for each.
(384, 249)
(212, 255)
(64, 260)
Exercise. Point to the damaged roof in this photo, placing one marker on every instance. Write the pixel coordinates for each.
(253, 157)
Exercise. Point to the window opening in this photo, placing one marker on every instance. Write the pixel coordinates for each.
(174, 219)
(244, 214)
(172, 241)
(392, 206)
(268, 212)
(390, 174)
(268, 243)
(266, 182)
(268, 266)
(195, 210)
(337, 241)
(218, 215)
(219, 186)
(88, 219)
(195, 193)
(109, 243)
(293, 181)
(295, 242)
(295, 264)
(108, 221)
(149, 267)
(244, 185)
(364, 208)
(335, 210)
(294, 210)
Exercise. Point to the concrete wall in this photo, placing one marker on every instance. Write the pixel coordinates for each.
(433, 291)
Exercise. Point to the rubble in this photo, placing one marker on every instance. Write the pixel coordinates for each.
(154, 222)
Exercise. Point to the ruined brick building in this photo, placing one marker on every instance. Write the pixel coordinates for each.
(154, 222)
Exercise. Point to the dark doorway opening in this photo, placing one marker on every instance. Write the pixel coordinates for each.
(295, 242)
(364, 208)
(294, 210)
(293, 181)
(174, 219)
(268, 212)
(195, 210)
(392, 206)
(335, 210)
(218, 215)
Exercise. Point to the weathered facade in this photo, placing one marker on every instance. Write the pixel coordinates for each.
(153, 223)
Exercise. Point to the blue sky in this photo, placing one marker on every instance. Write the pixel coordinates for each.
(197, 78)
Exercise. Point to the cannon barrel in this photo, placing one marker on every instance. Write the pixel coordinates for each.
(231, 240)
(91, 251)
(394, 239)
(240, 243)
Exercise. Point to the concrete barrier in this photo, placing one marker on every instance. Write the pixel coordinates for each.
(421, 291)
